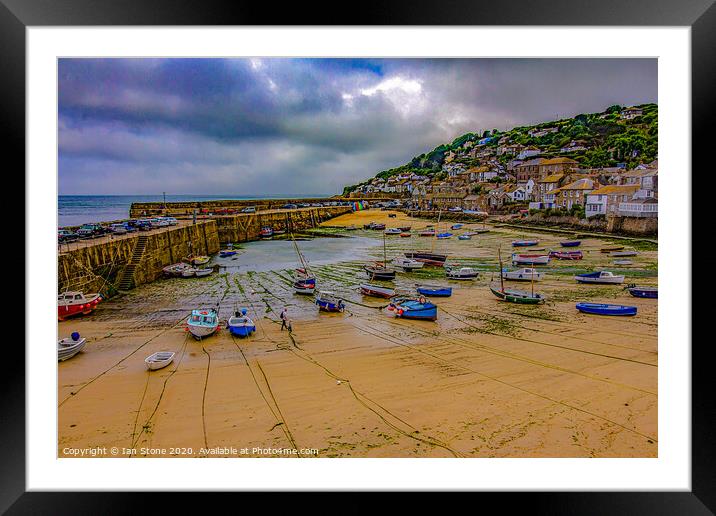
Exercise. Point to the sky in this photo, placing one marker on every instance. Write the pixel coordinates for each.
(270, 126)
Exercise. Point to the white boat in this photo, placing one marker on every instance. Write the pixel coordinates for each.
(526, 274)
(407, 264)
(73, 303)
(392, 231)
(599, 277)
(462, 273)
(69, 347)
(623, 262)
(159, 359)
(202, 323)
(623, 253)
(189, 272)
(530, 259)
(200, 273)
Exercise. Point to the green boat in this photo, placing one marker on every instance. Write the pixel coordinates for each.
(518, 296)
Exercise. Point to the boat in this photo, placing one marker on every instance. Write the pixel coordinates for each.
(623, 253)
(405, 229)
(75, 303)
(622, 262)
(442, 236)
(645, 292)
(481, 231)
(567, 255)
(599, 277)
(462, 273)
(279, 232)
(408, 264)
(380, 271)
(376, 291)
(240, 324)
(200, 273)
(526, 274)
(188, 272)
(198, 260)
(434, 291)
(266, 232)
(435, 259)
(427, 233)
(374, 225)
(329, 302)
(159, 360)
(464, 237)
(414, 309)
(604, 309)
(456, 226)
(570, 243)
(524, 243)
(70, 346)
(202, 323)
(405, 235)
(304, 286)
(392, 231)
(305, 279)
(352, 227)
(175, 270)
(518, 296)
(530, 259)
(611, 248)
(227, 252)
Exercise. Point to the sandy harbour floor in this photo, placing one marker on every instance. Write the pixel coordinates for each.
(488, 379)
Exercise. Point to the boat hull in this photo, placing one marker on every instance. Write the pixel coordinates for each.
(327, 306)
(425, 312)
(570, 243)
(524, 259)
(376, 291)
(73, 309)
(524, 243)
(567, 255)
(604, 280)
(437, 260)
(65, 352)
(381, 275)
(435, 292)
(603, 309)
(644, 292)
(242, 331)
(200, 332)
(516, 296)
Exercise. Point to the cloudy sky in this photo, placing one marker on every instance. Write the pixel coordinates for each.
(303, 126)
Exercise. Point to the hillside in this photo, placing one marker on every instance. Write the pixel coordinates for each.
(617, 135)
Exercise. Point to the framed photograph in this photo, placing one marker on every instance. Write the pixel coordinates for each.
(421, 253)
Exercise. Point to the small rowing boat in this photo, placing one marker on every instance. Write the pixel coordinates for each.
(623, 253)
(611, 248)
(645, 292)
(526, 274)
(227, 252)
(464, 237)
(530, 259)
(599, 277)
(159, 360)
(70, 346)
(434, 291)
(175, 270)
(443, 236)
(427, 233)
(456, 226)
(376, 291)
(524, 243)
(604, 309)
(414, 309)
(405, 235)
(570, 243)
(518, 296)
(567, 255)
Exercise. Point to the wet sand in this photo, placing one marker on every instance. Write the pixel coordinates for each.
(488, 379)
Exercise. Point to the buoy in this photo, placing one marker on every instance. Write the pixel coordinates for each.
(75, 336)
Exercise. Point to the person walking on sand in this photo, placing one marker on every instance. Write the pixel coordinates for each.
(284, 319)
(289, 327)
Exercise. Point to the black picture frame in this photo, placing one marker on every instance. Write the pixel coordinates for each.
(17, 15)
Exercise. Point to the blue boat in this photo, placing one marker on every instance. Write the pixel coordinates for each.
(444, 235)
(456, 226)
(603, 309)
(646, 292)
(524, 243)
(241, 325)
(329, 302)
(227, 252)
(570, 243)
(414, 309)
(464, 237)
(429, 291)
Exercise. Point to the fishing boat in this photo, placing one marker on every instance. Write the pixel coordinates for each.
(240, 324)
(567, 255)
(464, 237)
(227, 252)
(200, 273)
(407, 264)
(442, 236)
(202, 323)
(622, 262)
(524, 243)
(405, 235)
(611, 248)
(70, 346)
(198, 260)
(456, 226)
(380, 271)
(526, 274)
(623, 253)
(376, 291)
(516, 296)
(570, 243)
(175, 270)
(427, 233)
(462, 273)
(159, 360)
(414, 309)
(305, 279)
(645, 292)
(75, 303)
(434, 291)
(329, 302)
(374, 225)
(304, 286)
(604, 309)
(266, 232)
(599, 277)
(392, 231)
(530, 259)
(435, 259)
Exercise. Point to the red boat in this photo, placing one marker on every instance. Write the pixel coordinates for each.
(266, 232)
(567, 255)
(73, 303)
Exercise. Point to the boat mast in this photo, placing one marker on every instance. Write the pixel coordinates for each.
(502, 280)
(385, 258)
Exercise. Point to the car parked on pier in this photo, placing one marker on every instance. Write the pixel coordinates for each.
(249, 209)
(66, 236)
(118, 229)
(289, 206)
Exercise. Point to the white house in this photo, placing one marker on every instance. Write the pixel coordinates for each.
(606, 200)
(639, 208)
(528, 153)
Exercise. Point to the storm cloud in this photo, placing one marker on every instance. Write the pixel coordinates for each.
(303, 126)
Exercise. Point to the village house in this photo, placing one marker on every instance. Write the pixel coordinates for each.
(453, 169)
(476, 202)
(574, 146)
(647, 179)
(513, 148)
(546, 185)
(631, 112)
(553, 166)
(528, 169)
(648, 207)
(496, 199)
(606, 200)
(529, 152)
(574, 193)
(515, 192)
(536, 133)
(528, 187)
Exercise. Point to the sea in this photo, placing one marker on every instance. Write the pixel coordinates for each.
(75, 210)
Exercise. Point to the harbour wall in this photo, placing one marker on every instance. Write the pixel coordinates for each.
(186, 209)
(100, 267)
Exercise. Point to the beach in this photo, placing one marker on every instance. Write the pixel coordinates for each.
(487, 379)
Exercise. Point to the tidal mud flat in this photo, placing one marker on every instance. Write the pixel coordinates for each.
(487, 379)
